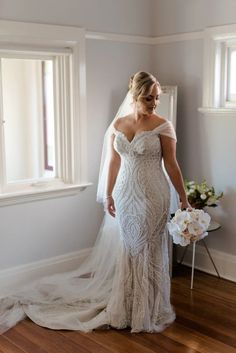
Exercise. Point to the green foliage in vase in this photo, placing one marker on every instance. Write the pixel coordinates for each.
(201, 195)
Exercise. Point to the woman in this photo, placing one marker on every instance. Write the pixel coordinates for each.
(145, 90)
(138, 196)
(125, 281)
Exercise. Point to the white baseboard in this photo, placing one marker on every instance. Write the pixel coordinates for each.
(225, 263)
(14, 277)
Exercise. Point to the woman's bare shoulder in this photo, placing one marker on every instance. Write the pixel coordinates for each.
(121, 121)
(158, 120)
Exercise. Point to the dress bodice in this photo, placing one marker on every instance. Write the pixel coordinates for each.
(144, 145)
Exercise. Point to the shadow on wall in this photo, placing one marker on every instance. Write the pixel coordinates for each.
(226, 211)
(190, 147)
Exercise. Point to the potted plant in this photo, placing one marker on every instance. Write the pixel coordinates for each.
(201, 195)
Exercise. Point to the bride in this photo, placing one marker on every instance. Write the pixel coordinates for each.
(125, 280)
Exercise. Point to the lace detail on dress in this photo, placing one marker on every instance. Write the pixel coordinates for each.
(141, 288)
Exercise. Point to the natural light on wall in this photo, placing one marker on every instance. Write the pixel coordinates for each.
(232, 77)
(28, 113)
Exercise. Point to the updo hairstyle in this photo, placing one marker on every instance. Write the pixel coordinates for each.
(141, 83)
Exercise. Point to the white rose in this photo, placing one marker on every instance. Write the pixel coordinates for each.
(175, 232)
(201, 217)
(205, 219)
(195, 228)
(182, 218)
(195, 214)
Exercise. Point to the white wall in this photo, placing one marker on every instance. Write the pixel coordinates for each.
(117, 16)
(178, 16)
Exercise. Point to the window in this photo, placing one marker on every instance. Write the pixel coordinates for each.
(29, 121)
(231, 75)
(42, 108)
(225, 73)
(219, 89)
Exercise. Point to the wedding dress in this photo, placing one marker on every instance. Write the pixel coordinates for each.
(125, 281)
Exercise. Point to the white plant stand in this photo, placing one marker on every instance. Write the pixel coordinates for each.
(212, 227)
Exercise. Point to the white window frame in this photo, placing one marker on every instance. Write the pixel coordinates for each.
(217, 40)
(68, 44)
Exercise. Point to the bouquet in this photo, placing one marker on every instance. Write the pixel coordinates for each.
(201, 195)
(189, 225)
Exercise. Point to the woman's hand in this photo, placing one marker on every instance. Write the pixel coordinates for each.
(186, 205)
(110, 206)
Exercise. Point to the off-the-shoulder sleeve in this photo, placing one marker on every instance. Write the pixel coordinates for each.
(111, 130)
(167, 129)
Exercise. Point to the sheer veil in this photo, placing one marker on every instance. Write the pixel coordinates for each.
(125, 108)
(75, 300)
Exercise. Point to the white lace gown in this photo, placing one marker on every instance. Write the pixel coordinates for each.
(125, 281)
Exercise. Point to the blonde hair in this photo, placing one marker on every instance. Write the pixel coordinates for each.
(141, 83)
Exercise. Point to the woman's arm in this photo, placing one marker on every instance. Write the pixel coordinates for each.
(172, 167)
(113, 170)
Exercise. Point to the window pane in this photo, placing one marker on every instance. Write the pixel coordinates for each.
(24, 107)
(232, 74)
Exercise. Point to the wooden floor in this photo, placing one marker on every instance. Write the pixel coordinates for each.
(206, 322)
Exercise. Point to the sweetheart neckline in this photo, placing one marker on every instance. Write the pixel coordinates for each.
(139, 134)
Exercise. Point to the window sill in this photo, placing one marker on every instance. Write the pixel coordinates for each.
(41, 193)
(218, 112)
